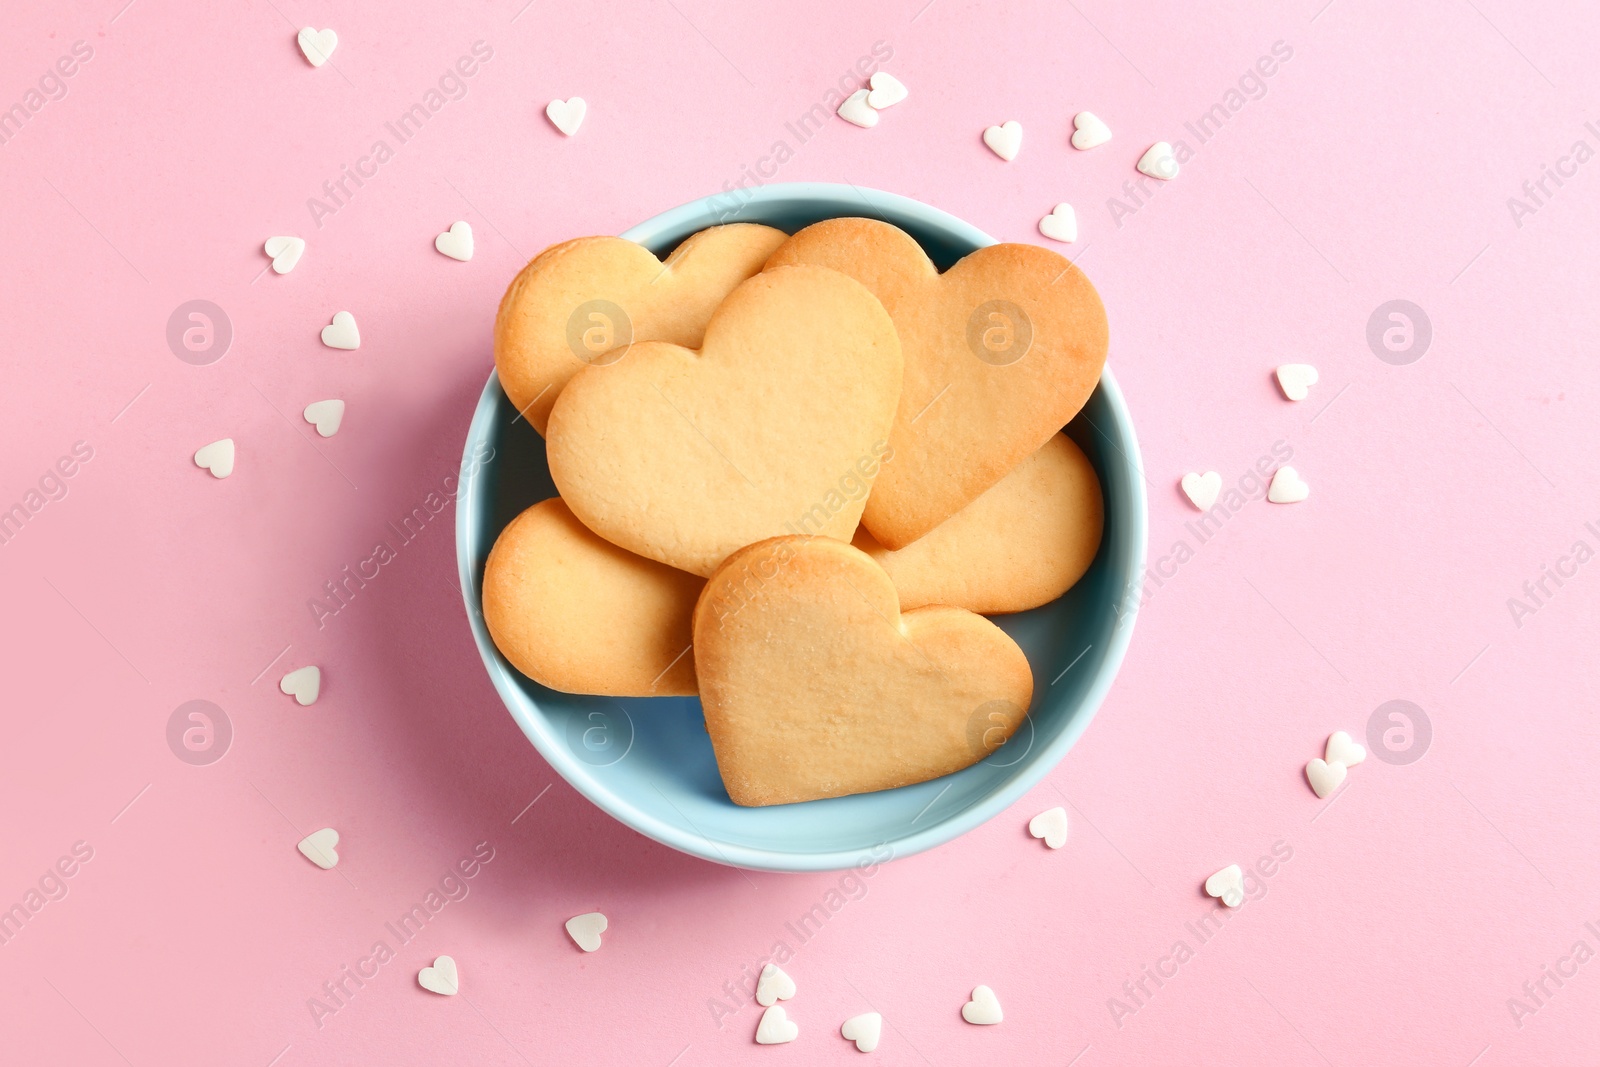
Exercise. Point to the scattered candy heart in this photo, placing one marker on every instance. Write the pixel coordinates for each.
(1004, 141)
(319, 847)
(342, 332)
(1287, 487)
(217, 457)
(1296, 379)
(1061, 224)
(303, 684)
(775, 1027)
(1202, 489)
(567, 115)
(887, 91)
(285, 252)
(773, 985)
(1158, 162)
(983, 1009)
(326, 416)
(857, 111)
(317, 44)
(1325, 777)
(442, 978)
(456, 242)
(1227, 885)
(1050, 825)
(865, 1030)
(585, 930)
(1340, 749)
(1089, 131)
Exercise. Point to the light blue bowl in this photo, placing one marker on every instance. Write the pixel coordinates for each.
(649, 762)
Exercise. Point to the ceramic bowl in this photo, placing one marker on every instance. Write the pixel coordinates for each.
(649, 763)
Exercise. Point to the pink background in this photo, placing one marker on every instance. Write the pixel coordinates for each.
(1377, 166)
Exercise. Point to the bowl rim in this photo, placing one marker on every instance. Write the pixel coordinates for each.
(701, 213)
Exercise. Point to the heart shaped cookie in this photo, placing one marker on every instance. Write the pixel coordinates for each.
(576, 613)
(815, 685)
(579, 301)
(1023, 543)
(775, 426)
(1001, 351)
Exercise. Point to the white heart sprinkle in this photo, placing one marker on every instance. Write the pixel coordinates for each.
(303, 684)
(1296, 379)
(773, 985)
(585, 930)
(1325, 777)
(317, 44)
(1004, 141)
(1287, 487)
(1227, 885)
(865, 1030)
(1089, 131)
(1159, 162)
(442, 978)
(456, 242)
(319, 847)
(1340, 749)
(775, 1027)
(326, 416)
(983, 1009)
(887, 91)
(1202, 489)
(285, 252)
(856, 111)
(1050, 825)
(217, 457)
(1061, 224)
(342, 332)
(567, 115)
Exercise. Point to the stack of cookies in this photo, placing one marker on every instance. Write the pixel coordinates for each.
(795, 473)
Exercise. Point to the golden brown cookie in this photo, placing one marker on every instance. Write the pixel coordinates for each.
(1021, 544)
(576, 613)
(581, 301)
(815, 685)
(777, 425)
(1001, 351)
